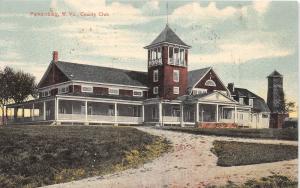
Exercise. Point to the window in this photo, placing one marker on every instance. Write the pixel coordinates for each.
(199, 91)
(250, 102)
(113, 91)
(210, 83)
(46, 93)
(241, 100)
(155, 76)
(138, 93)
(227, 113)
(63, 90)
(88, 89)
(176, 75)
(176, 90)
(176, 55)
(170, 52)
(181, 54)
(158, 53)
(155, 90)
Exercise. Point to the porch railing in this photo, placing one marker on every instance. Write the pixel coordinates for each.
(100, 118)
(171, 119)
(71, 117)
(103, 118)
(129, 119)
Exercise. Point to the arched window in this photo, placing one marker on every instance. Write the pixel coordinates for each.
(210, 82)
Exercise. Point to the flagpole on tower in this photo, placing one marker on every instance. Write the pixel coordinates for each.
(167, 13)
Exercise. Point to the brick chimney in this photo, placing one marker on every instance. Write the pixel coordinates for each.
(55, 56)
(231, 87)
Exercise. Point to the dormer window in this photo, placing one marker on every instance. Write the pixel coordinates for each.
(210, 83)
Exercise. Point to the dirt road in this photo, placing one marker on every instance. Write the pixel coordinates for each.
(191, 164)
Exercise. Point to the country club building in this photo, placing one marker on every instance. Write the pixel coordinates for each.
(167, 94)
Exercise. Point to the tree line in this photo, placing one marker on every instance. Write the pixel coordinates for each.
(16, 86)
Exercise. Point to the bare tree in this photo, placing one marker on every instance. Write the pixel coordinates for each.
(288, 107)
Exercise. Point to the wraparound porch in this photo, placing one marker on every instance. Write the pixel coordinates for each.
(61, 110)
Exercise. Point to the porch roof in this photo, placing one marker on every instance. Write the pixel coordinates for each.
(30, 102)
(116, 97)
(200, 97)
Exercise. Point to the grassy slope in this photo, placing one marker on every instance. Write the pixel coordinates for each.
(280, 134)
(42, 155)
(239, 153)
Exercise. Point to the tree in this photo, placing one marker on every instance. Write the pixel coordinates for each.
(22, 87)
(6, 78)
(288, 107)
(15, 86)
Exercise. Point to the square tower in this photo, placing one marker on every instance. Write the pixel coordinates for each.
(167, 66)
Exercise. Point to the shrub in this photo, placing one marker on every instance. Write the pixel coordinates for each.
(241, 153)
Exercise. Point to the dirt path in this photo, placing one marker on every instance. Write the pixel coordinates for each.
(191, 164)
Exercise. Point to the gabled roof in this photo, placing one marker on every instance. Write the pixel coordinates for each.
(91, 73)
(169, 36)
(259, 104)
(195, 75)
(275, 73)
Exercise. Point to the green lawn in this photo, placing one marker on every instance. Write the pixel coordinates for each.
(241, 153)
(280, 134)
(274, 181)
(41, 155)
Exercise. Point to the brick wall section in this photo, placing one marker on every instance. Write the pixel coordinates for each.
(70, 88)
(165, 75)
(277, 120)
(169, 83)
(77, 88)
(54, 91)
(153, 84)
(211, 74)
(216, 125)
(100, 90)
(124, 92)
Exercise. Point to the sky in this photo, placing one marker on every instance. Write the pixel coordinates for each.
(244, 41)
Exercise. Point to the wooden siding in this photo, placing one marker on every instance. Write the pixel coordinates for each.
(54, 76)
(211, 75)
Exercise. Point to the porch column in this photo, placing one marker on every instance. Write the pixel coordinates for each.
(235, 115)
(86, 114)
(217, 119)
(181, 116)
(23, 111)
(160, 114)
(116, 114)
(44, 112)
(197, 112)
(143, 113)
(56, 110)
(32, 117)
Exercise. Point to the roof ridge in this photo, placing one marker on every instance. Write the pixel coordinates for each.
(124, 70)
(200, 69)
